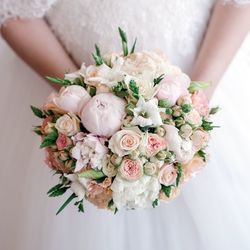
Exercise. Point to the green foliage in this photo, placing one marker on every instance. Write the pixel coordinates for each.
(120, 90)
(158, 79)
(202, 154)
(179, 174)
(133, 47)
(198, 85)
(92, 174)
(166, 190)
(92, 90)
(129, 108)
(66, 203)
(37, 130)
(214, 110)
(207, 125)
(37, 112)
(134, 88)
(59, 81)
(80, 206)
(155, 203)
(50, 139)
(124, 41)
(97, 56)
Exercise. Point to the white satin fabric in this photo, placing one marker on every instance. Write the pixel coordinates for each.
(212, 212)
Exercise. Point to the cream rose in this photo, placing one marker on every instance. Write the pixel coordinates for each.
(168, 175)
(124, 142)
(150, 168)
(68, 124)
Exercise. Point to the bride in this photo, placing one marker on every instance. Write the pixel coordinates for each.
(200, 36)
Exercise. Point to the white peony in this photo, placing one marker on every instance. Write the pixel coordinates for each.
(136, 194)
(183, 149)
(146, 113)
(89, 151)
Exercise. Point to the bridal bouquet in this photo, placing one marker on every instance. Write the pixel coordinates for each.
(126, 132)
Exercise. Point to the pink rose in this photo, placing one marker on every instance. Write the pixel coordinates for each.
(71, 98)
(172, 87)
(62, 141)
(200, 103)
(199, 139)
(167, 175)
(131, 170)
(155, 144)
(103, 114)
(193, 117)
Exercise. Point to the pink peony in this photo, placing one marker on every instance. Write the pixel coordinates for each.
(103, 114)
(70, 99)
(155, 144)
(62, 141)
(200, 103)
(172, 87)
(131, 170)
(167, 175)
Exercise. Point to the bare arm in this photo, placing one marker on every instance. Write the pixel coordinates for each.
(228, 27)
(36, 44)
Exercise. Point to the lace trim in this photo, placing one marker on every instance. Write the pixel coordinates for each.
(23, 9)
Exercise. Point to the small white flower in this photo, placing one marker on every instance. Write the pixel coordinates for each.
(146, 113)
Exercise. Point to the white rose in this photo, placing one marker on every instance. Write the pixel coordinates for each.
(71, 98)
(125, 141)
(68, 124)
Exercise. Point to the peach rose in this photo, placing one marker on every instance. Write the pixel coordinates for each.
(200, 103)
(124, 142)
(167, 175)
(200, 139)
(155, 144)
(192, 167)
(131, 170)
(103, 114)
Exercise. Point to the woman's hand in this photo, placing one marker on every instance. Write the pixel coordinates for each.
(36, 44)
(227, 29)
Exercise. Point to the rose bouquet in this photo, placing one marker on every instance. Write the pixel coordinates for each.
(126, 132)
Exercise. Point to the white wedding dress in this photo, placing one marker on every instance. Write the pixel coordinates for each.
(212, 212)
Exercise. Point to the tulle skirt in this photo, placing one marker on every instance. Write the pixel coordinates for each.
(212, 212)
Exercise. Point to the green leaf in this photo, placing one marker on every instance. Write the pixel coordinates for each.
(158, 79)
(37, 130)
(120, 90)
(198, 85)
(202, 154)
(50, 139)
(37, 112)
(59, 81)
(92, 174)
(166, 190)
(56, 187)
(80, 206)
(97, 56)
(133, 47)
(58, 191)
(124, 41)
(179, 174)
(214, 110)
(92, 90)
(155, 203)
(207, 125)
(72, 196)
(134, 88)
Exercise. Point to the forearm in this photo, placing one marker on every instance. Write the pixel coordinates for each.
(226, 31)
(36, 44)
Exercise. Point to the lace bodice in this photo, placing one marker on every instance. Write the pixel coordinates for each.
(175, 27)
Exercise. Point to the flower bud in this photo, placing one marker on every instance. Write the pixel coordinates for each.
(161, 155)
(150, 168)
(186, 130)
(179, 122)
(163, 103)
(116, 160)
(176, 111)
(134, 154)
(186, 108)
(63, 156)
(160, 131)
